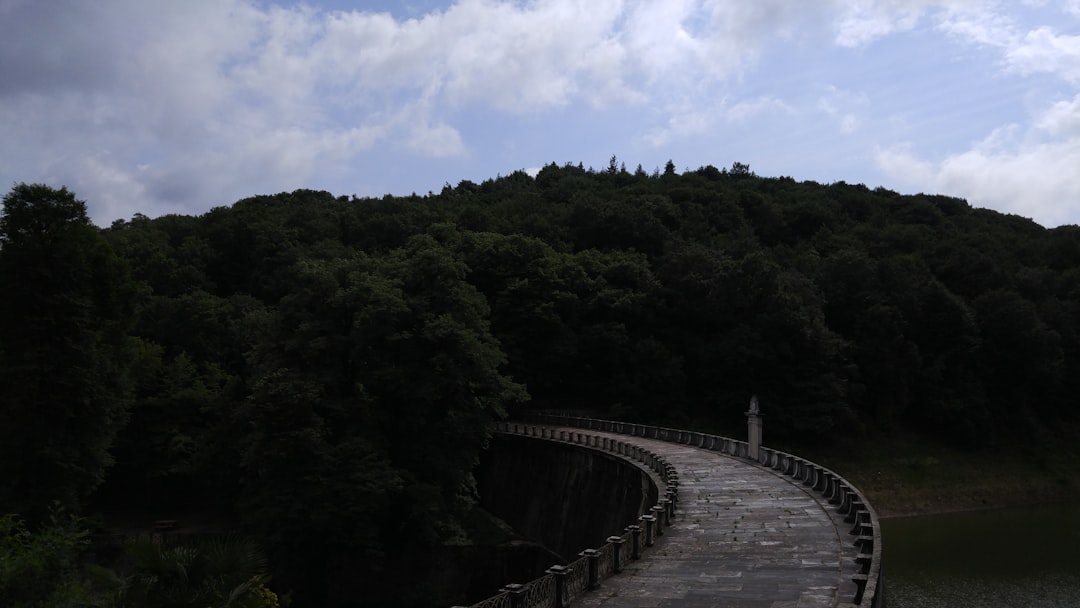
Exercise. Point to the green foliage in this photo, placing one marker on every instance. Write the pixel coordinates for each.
(326, 369)
(40, 567)
(219, 573)
(64, 353)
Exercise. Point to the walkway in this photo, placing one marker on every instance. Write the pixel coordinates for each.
(743, 537)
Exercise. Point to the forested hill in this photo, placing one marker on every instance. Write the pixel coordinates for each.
(667, 298)
(305, 349)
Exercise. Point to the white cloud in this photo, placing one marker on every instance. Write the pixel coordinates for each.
(680, 124)
(843, 107)
(179, 103)
(863, 21)
(657, 37)
(901, 163)
(1061, 119)
(690, 121)
(1003, 180)
(440, 141)
(511, 57)
(981, 23)
(1043, 50)
(143, 105)
(739, 31)
(1010, 170)
(1026, 167)
(747, 109)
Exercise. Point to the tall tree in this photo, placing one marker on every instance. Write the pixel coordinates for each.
(64, 311)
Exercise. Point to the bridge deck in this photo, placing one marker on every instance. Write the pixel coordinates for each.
(743, 537)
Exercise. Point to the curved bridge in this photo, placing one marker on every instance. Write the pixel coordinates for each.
(772, 532)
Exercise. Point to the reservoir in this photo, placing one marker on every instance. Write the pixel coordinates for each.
(1008, 558)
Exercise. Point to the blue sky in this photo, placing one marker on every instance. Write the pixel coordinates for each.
(155, 107)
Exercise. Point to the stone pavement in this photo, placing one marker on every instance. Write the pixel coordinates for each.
(743, 537)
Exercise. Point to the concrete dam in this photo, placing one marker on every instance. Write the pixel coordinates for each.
(564, 496)
(678, 518)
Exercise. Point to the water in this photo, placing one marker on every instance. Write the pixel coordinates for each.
(1008, 558)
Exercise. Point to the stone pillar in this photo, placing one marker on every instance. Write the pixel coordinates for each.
(592, 556)
(666, 504)
(845, 501)
(658, 514)
(616, 552)
(754, 424)
(650, 523)
(670, 472)
(635, 541)
(560, 573)
(669, 494)
(517, 594)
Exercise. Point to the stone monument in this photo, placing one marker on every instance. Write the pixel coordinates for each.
(753, 431)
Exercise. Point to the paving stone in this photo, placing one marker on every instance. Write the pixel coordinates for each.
(744, 536)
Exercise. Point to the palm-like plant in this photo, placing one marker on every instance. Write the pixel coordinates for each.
(218, 573)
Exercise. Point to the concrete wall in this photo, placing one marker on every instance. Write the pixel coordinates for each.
(566, 497)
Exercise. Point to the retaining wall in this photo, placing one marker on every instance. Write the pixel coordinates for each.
(560, 585)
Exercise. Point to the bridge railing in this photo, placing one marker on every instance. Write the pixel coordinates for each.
(561, 584)
(845, 497)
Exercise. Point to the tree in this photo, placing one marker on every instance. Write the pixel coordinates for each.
(40, 567)
(740, 170)
(64, 311)
(374, 387)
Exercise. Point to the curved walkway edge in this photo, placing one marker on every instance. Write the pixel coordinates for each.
(778, 532)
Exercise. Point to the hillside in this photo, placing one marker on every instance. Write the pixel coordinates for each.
(324, 367)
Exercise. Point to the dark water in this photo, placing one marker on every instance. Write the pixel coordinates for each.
(1009, 558)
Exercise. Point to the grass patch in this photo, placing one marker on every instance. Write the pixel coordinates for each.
(907, 474)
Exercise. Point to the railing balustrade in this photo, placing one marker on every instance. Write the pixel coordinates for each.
(502, 600)
(541, 593)
(579, 578)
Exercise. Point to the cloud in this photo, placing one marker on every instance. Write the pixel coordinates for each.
(658, 37)
(901, 163)
(1031, 173)
(862, 22)
(182, 105)
(158, 106)
(750, 108)
(154, 91)
(739, 31)
(1043, 50)
(843, 107)
(1062, 118)
(984, 22)
(1027, 168)
(512, 57)
(440, 141)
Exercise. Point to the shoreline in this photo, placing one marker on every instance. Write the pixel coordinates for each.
(900, 501)
(889, 515)
(910, 476)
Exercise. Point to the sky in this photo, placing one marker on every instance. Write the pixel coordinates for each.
(159, 107)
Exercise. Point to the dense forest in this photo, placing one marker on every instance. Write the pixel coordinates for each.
(321, 371)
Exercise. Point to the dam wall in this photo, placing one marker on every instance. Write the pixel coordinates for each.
(565, 497)
(786, 564)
